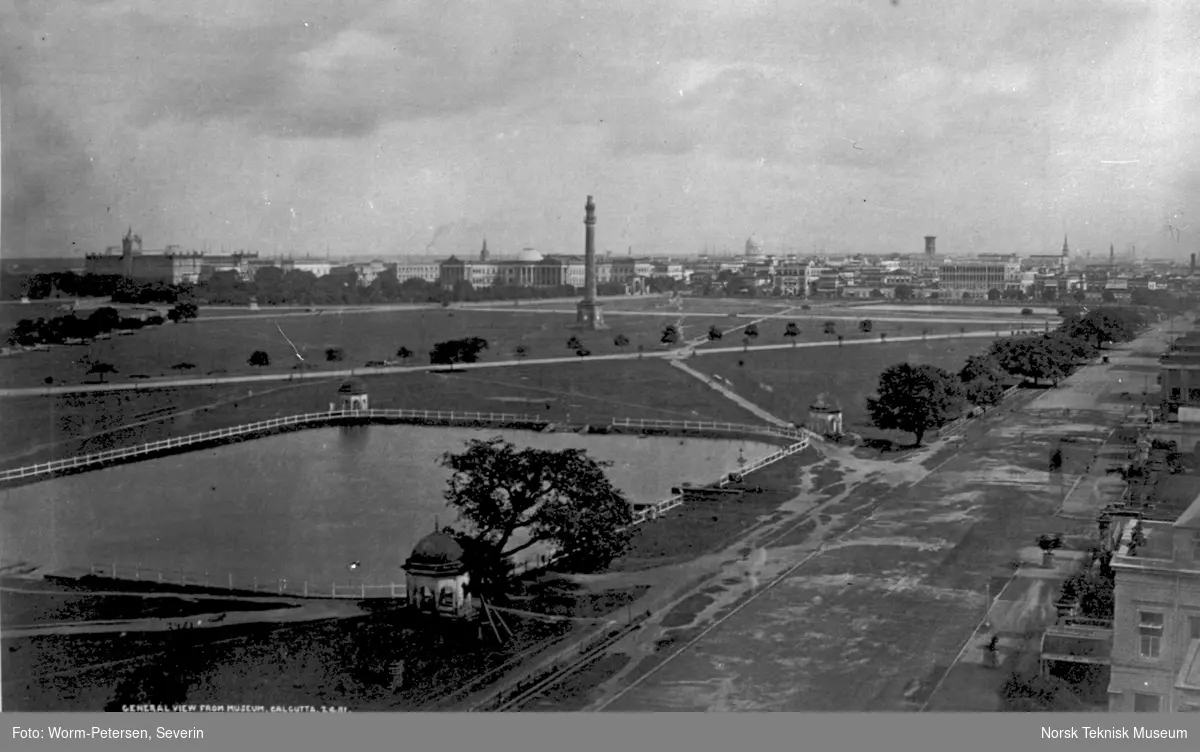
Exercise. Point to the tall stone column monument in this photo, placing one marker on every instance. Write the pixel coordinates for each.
(589, 314)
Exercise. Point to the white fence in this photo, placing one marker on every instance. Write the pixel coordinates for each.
(247, 429)
(658, 508)
(696, 425)
(267, 586)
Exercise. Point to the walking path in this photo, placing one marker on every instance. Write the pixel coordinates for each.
(731, 395)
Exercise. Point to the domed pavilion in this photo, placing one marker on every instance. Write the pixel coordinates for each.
(825, 416)
(437, 576)
(354, 395)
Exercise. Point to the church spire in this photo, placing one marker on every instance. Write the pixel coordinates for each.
(1066, 251)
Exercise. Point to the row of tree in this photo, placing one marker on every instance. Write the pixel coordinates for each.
(918, 398)
(60, 329)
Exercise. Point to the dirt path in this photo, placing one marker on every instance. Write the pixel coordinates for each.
(887, 584)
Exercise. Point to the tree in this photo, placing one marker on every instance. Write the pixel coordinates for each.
(621, 340)
(104, 319)
(183, 366)
(882, 337)
(830, 327)
(714, 333)
(1032, 357)
(1108, 297)
(924, 333)
(993, 294)
(866, 325)
(573, 343)
(334, 354)
(1026, 311)
(559, 498)
(752, 332)
(521, 352)
(792, 332)
(181, 312)
(100, 368)
(1049, 294)
(840, 338)
(26, 333)
(903, 292)
(1080, 296)
(404, 354)
(259, 359)
(983, 380)
(670, 335)
(457, 351)
(583, 352)
(915, 399)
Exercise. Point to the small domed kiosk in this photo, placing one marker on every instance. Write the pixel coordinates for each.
(437, 577)
(354, 395)
(825, 416)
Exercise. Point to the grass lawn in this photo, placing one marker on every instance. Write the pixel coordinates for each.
(785, 382)
(44, 428)
(700, 528)
(216, 346)
(343, 662)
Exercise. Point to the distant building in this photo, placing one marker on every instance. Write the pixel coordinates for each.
(429, 271)
(977, 278)
(169, 265)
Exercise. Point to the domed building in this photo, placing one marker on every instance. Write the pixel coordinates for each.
(754, 246)
(530, 256)
(825, 416)
(354, 395)
(437, 579)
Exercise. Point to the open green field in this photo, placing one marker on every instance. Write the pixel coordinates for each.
(45, 428)
(785, 382)
(215, 346)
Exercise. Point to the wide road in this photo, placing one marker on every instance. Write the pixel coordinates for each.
(882, 595)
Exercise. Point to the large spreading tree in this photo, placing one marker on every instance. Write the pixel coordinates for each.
(915, 398)
(510, 500)
(983, 380)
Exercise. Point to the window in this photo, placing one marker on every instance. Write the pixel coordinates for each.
(1193, 395)
(1146, 703)
(1150, 628)
(1174, 392)
(1194, 627)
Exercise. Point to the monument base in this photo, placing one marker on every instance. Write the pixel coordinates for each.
(589, 316)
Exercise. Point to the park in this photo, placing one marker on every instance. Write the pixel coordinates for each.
(823, 491)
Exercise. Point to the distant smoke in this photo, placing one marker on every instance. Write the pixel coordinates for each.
(437, 234)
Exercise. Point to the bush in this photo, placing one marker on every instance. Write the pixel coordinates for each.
(1026, 311)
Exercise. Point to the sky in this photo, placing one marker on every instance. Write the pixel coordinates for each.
(406, 127)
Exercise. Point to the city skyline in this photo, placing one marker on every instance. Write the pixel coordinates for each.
(413, 129)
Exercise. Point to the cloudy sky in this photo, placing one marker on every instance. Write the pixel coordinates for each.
(372, 127)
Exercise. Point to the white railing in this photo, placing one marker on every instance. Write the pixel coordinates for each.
(698, 425)
(329, 416)
(658, 508)
(111, 455)
(278, 586)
